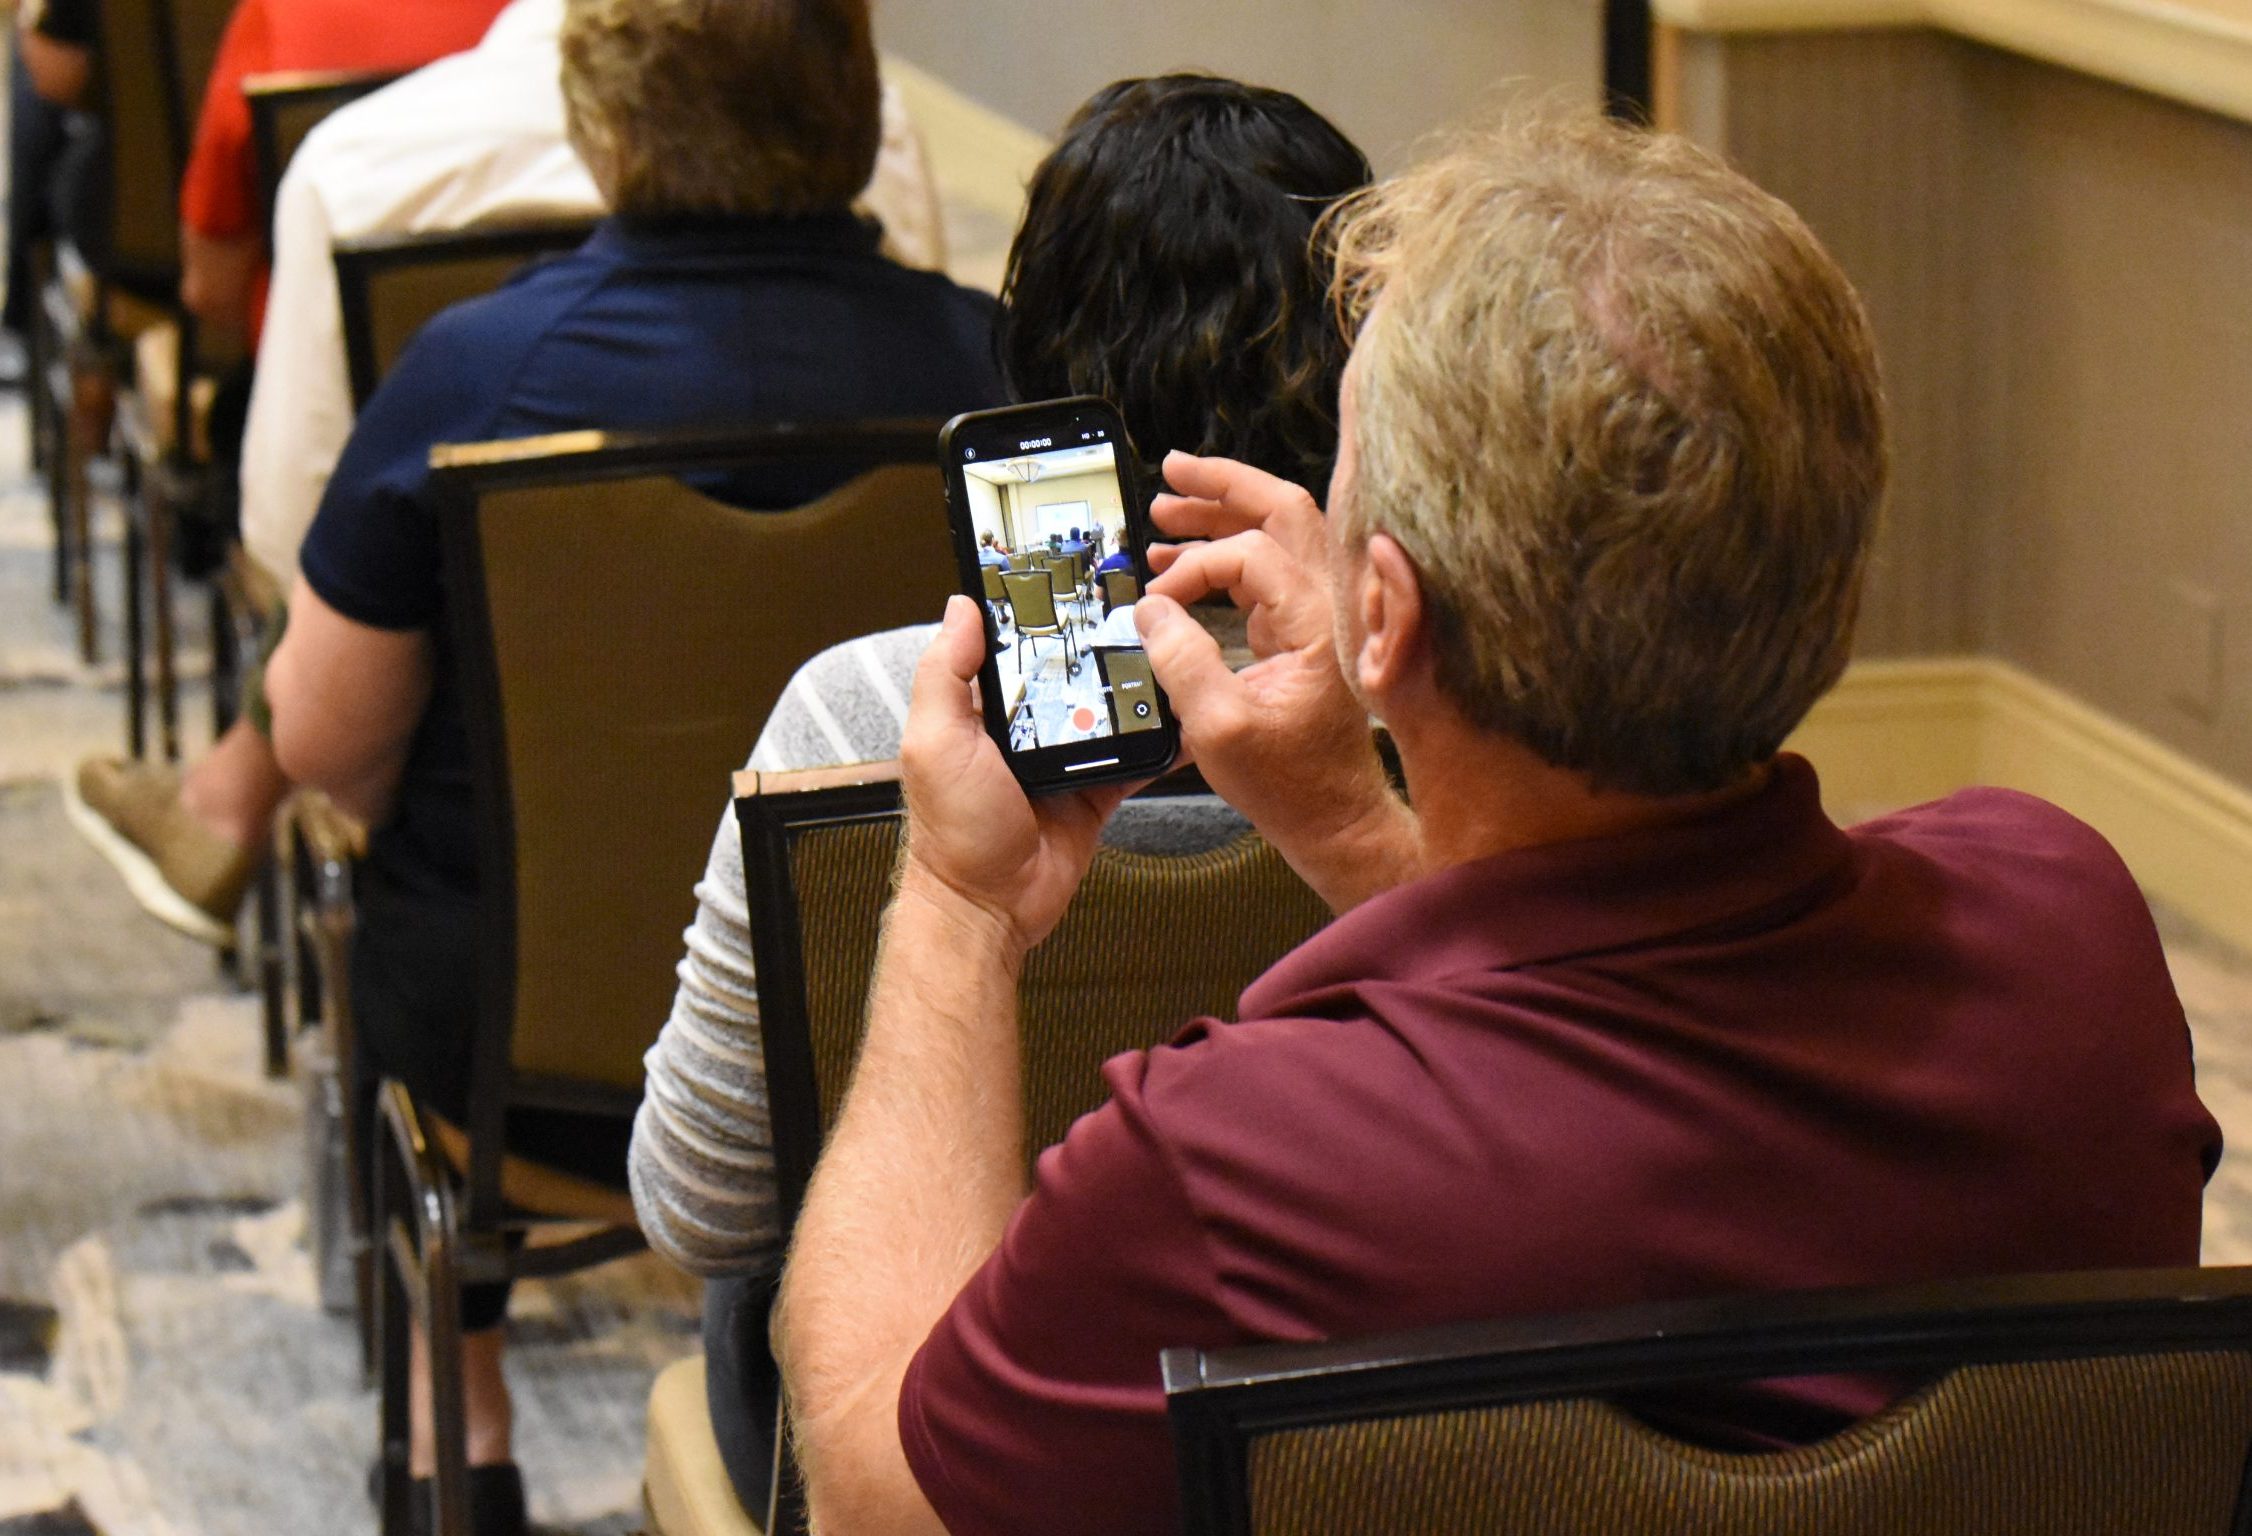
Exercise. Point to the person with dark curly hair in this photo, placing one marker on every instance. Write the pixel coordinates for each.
(1168, 262)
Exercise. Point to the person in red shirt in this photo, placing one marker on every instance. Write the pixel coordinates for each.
(1612, 1012)
(222, 228)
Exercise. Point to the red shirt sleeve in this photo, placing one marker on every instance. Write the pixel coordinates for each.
(1035, 1405)
(218, 195)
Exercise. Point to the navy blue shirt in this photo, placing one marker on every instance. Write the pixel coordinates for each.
(687, 323)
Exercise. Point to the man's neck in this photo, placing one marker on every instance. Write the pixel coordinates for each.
(1476, 795)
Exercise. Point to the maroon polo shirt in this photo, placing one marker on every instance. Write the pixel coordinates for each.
(1750, 1052)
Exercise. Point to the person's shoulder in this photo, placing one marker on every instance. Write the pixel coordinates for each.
(1990, 822)
(495, 329)
(1192, 1089)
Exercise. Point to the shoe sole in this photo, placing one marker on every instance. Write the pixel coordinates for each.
(142, 877)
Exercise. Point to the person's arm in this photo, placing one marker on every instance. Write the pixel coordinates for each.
(60, 72)
(346, 698)
(218, 278)
(702, 1161)
(925, 1165)
(221, 238)
(1284, 741)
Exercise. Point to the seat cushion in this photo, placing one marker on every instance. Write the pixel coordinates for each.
(684, 1482)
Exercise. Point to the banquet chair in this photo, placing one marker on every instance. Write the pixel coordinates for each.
(1063, 581)
(389, 286)
(2050, 1405)
(1121, 589)
(99, 304)
(996, 595)
(1129, 687)
(1032, 608)
(286, 106)
(593, 749)
(1149, 942)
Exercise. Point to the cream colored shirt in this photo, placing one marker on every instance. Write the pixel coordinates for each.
(472, 139)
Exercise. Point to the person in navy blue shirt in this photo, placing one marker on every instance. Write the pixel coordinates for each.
(732, 285)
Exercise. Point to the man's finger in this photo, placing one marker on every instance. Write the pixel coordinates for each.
(1162, 556)
(1215, 498)
(1250, 567)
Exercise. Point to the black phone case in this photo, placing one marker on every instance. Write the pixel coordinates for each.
(1046, 770)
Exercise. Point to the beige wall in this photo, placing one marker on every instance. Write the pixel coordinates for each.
(2060, 272)
(1386, 74)
(1099, 491)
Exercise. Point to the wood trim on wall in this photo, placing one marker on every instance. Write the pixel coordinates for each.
(1896, 733)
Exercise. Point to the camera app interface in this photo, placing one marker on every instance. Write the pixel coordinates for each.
(1060, 582)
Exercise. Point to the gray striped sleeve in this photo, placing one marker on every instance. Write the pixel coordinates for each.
(702, 1164)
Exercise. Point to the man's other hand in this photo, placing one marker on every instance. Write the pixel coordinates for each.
(972, 832)
(1284, 740)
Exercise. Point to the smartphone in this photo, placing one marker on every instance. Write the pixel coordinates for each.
(1050, 533)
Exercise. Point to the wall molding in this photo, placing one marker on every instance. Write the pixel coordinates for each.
(1896, 733)
(2198, 52)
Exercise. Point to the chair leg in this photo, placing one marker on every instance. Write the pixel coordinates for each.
(226, 664)
(78, 509)
(448, 1413)
(136, 675)
(269, 937)
(159, 504)
(392, 1343)
(89, 430)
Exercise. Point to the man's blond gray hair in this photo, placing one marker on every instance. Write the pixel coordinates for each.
(1623, 412)
(686, 107)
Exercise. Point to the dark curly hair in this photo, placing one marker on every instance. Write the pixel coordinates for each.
(1167, 263)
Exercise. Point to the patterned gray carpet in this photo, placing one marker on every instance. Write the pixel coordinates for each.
(165, 1369)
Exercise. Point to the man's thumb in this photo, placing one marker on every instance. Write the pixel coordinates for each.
(1186, 660)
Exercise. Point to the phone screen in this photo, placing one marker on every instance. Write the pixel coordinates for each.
(1046, 507)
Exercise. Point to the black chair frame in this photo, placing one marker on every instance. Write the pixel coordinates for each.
(1220, 1401)
(360, 262)
(273, 96)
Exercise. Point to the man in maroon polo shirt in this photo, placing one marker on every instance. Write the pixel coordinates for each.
(1614, 1014)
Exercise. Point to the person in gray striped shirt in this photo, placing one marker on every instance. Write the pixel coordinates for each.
(1157, 184)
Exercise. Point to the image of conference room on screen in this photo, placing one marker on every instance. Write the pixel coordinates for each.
(1060, 583)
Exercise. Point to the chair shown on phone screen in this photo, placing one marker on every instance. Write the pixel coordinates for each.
(1032, 604)
(996, 595)
(1121, 589)
(1129, 687)
(1063, 582)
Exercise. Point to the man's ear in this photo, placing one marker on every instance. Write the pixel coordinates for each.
(1392, 617)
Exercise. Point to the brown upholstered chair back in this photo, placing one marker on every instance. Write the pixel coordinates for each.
(390, 286)
(2056, 1406)
(1120, 588)
(285, 107)
(621, 640)
(1129, 687)
(1149, 943)
(154, 58)
(1062, 577)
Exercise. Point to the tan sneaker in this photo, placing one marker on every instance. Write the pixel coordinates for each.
(184, 873)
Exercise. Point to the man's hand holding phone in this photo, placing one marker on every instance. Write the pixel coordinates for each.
(1284, 740)
(973, 835)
